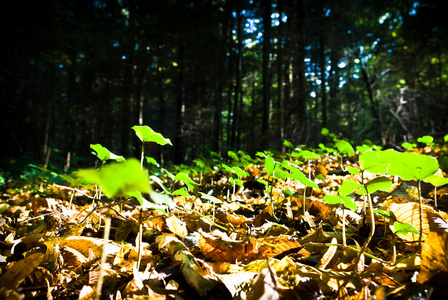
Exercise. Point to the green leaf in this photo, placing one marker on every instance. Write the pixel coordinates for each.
(404, 229)
(181, 176)
(233, 155)
(269, 165)
(210, 197)
(427, 139)
(344, 200)
(409, 165)
(325, 131)
(344, 147)
(436, 180)
(376, 184)
(408, 146)
(159, 182)
(145, 203)
(239, 172)
(348, 187)
(306, 154)
(152, 161)
(104, 154)
(353, 170)
(445, 138)
(287, 193)
(119, 179)
(146, 134)
(296, 174)
(370, 161)
(288, 144)
(181, 192)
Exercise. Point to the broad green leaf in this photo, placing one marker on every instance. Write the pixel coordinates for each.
(146, 134)
(152, 161)
(119, 179)
(104, 154)
(279, 173)
(344, 147)
(409, 165)
(306, 154)
(287, 193)
(408, 146)
(348, 187)
(145, 203)
(181, 192)
(233, 155)
(385, 214)
(199, 162)
(325, 131)
(436, 180)
(210, 197)
(404, 229)
(171, 176)
(269, 165)
(181, 176)
(445, 138)
(239, 172)
(376, 184)
(288, 144)
(370, 161)
(296, 174)
(353, 170)
(344, 200)
(427, 140)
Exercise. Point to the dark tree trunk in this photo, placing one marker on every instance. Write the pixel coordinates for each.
(266, 121)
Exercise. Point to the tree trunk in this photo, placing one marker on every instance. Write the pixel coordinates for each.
(266, 122)
(180, 108)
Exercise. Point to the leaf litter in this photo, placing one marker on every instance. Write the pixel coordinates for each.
(253, 243)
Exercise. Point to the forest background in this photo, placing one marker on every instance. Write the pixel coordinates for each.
(214, 75)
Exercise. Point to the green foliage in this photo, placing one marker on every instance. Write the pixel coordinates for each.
(118, 179)
(146, 134)
(344, 147)
(404, 229)
(427, 140)
(346, 201)
(104, 154)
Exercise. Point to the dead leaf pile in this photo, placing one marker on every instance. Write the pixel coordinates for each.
(256, 244)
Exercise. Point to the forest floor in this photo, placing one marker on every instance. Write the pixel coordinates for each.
(253, 241)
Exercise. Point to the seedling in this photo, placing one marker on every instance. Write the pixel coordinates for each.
(436, 181)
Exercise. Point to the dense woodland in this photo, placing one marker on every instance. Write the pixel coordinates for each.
(218, 74)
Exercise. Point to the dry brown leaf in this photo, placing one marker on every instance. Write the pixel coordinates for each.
(20, 270)
(265, 285)
(329, 254)
(434, 256)
(82, 244)
(409, 213)
(176, 226)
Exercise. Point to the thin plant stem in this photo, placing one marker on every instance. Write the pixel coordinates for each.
(420, 209)
(99, 284)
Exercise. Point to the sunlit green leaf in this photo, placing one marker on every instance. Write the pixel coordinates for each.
(181, 192)
(146, 134)
(348, 187)
(344, 200)
(296, 174)
(288, 144)
(104, 154)
(436, 180)
(427, 140)
(119, 179)
(145, 203)
(404, 229)
(344, 147)
(409, 165)
(376, 184)
(181, 176)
